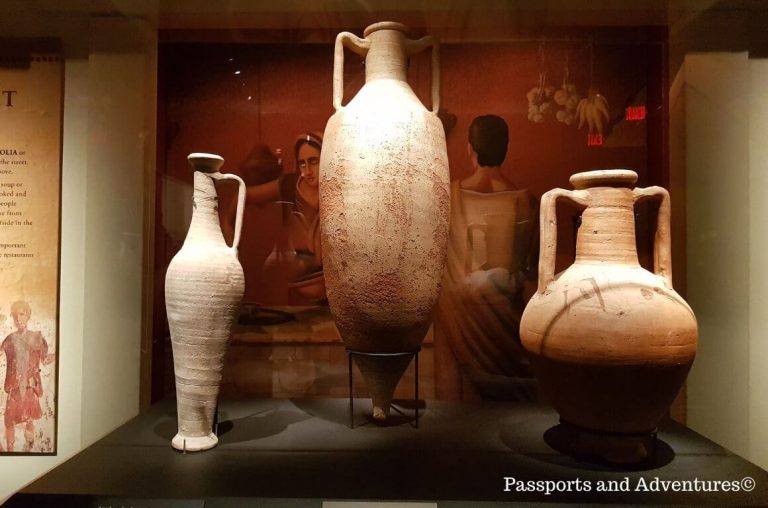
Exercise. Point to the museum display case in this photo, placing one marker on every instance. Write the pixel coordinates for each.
(375, 282)
(286, 344)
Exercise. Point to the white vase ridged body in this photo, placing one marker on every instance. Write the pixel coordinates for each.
(204, 286)
(384, 212)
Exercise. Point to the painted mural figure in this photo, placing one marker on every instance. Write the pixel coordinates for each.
(297, 250)
(300, 190)
(491, 254)
(26, 351)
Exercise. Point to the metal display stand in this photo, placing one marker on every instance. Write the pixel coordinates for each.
(414, 354)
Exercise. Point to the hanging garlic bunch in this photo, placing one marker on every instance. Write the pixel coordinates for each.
(567, 97)
(540, 100)
(541, 97)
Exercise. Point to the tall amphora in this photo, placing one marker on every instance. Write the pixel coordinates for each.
(384, 207)
(204, 285)
(610, 342)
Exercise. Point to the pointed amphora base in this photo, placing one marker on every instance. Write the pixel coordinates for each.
(381, 374)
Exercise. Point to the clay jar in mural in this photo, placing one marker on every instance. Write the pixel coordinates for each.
(203, 289)
(611, 343)
(384, 207)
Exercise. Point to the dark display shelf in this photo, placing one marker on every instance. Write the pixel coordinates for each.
(301, 453)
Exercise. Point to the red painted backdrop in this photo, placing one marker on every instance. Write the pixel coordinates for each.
(227, 98)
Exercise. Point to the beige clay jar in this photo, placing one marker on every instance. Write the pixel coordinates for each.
(611, 343)
(384, 207)
(204, 286)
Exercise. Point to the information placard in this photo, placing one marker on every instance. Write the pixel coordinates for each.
(31, 91)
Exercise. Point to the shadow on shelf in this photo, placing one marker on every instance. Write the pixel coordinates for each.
(339, 413)
(560, 440)
(258, 425)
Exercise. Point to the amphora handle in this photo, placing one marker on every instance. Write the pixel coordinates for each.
(418, 45)
(361, 47)
(548, 230)
(240, 204)
(662, 244)
(354, 43)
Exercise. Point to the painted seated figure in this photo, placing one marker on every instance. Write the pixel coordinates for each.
(491, 254)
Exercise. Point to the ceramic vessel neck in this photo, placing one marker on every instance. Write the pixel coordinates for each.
(205, 226)
(386, 58)
(607, 231)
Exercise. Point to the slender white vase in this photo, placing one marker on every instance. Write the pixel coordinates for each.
(204, 286)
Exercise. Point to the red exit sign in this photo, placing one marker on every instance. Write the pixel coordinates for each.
(594, 139)
(635, 113)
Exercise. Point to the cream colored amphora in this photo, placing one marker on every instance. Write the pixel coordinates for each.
(384, 207)
(611, 343)
(204, 286)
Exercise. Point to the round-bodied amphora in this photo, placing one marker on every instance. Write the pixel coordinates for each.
(610, 342)
(384, 207)
(204, 285)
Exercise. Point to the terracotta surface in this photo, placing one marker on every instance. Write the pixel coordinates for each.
(203, 289)
(611, 342)
(384, 206)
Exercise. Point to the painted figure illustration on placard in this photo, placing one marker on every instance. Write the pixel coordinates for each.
(30, 221)
(27, 363)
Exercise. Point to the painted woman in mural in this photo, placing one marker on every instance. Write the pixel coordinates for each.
(296, 252)
(26, 351)
(301, 191)
(491, 254)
